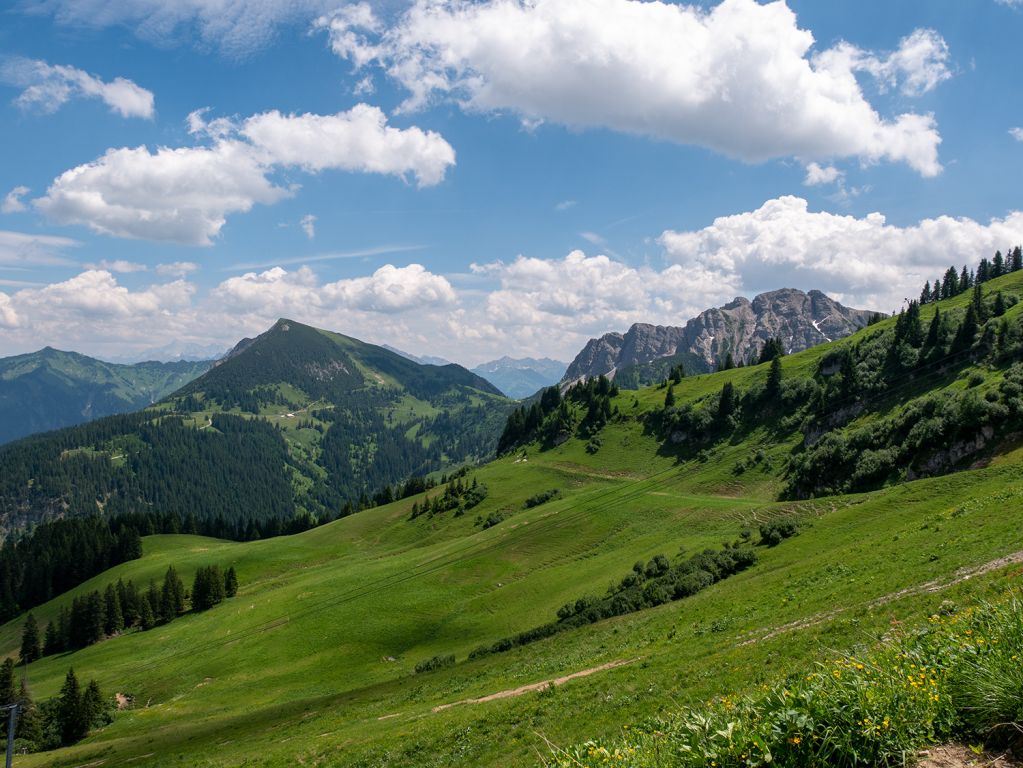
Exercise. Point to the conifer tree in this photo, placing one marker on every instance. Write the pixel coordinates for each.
(925, 294)
(1000, 307)
(51, 640)
(29, 728)
(997, 265)
(147, 619)
(1016, 263)
(774, 377)
(70, 719)
(7, 689)
(977, 303)
(172, 599)
(727, 400)
(729, 362)
(231, 578)
(92, 705)
(30, 648)
(669, 397)
(967, 331)
(114, 617)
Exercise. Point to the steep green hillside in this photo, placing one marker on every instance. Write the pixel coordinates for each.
(314, 662)
(50, 389)
(297, 422)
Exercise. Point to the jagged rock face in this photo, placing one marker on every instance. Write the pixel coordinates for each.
(741, 327)
(597, 357)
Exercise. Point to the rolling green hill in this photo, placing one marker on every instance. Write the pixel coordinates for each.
(50, 389)
(314, 662)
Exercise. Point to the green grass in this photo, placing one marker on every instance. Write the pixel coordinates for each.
(314, 661)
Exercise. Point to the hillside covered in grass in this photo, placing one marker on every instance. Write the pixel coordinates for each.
(600, 494)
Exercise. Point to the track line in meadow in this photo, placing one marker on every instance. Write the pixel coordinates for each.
(531, 687)
(935, 585)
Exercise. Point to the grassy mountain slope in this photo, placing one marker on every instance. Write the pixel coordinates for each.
(313, 662)
(316, 420)
(50, 389)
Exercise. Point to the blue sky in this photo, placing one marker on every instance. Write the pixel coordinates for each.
(498, 177)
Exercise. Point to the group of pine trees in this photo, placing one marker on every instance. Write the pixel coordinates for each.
(58, 722)
(552, 419)
(457, 495)
(91, 618)
(955, 282)
(773, 347)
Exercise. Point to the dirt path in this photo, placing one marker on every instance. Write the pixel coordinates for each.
(937, 585)
(958, 756)
(512, 692)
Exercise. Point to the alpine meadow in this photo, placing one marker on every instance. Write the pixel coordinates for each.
(292, 472)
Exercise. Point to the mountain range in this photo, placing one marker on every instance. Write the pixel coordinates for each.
(50, 389)
(740, 328)
(519, 378)
(317, 422)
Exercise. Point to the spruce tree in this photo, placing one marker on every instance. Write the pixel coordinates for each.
(70, 717)
(977, 304)
(92, 705)
(925, 294)
(1000, 307)
(29, 728)
(8, 693)
(967, 333)
(7, 689)
(727, 401)
(1016, 264)
(51, 640)
(30, 648)
(231, 578)
(774, 379)
(669, 397)
(147, 619)
(114, 617)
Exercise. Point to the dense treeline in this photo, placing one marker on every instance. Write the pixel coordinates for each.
(235, 470)
(954, 282)
(57, 722)
(658, 581)
(60, 555)
(551, 419)
(123, 606)
(933, 434)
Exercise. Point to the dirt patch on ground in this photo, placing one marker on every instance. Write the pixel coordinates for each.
(959, 756)
(537, 686)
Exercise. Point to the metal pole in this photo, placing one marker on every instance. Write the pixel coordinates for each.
(12, 720)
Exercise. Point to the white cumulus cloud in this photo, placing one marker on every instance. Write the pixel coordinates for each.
(184, 195)
(12, 202)
(47, 87)
(742, 78)
(176, 268)
(816, 174)
(1016, 133)
(865, 262)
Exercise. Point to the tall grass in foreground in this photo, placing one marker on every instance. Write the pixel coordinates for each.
(958, 677)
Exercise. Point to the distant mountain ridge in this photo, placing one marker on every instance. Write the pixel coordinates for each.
(741, 327)
(296, 423)
(522, 377)
(50, 389)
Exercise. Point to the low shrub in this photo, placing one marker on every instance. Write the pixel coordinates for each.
(437, 662)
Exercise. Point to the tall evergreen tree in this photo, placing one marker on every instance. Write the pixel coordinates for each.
(669, 397)
(925, 294)
(51, 640)
(1000, 307)
(231, 578)
(114, 617)
(30, 645)
(29, 727)
(729, 362)
(93, 705)
(774, 377)
(7, 689)
(172, 598)
(1016, 264)
(727, 400)
(967, 332)
(70, 716)
(997, 265)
